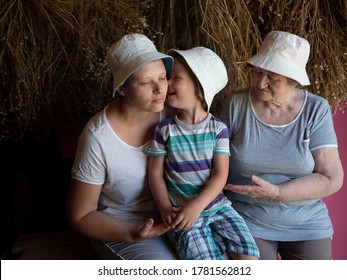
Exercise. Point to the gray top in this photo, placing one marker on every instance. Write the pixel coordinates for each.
(278, 153)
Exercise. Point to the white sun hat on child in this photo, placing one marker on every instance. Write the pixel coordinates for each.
(209, 69)
(129, 54)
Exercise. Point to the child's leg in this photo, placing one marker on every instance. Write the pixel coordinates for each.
(232, 234)
(197, 243)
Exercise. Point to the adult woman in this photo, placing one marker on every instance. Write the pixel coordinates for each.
(109, 198)
(284, 156)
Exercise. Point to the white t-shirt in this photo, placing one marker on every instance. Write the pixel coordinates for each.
(102, 158)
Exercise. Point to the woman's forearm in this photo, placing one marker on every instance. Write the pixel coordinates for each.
(98, 225)
(326, 179)
(313, 186)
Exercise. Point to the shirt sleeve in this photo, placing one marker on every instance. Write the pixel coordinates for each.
(89, 165)
(222, 141)
(320, 129)
(156, 146)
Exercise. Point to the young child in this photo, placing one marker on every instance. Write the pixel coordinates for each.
(189, 163)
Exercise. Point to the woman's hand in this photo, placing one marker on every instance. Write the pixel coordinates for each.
(260, 189)
(148, 230)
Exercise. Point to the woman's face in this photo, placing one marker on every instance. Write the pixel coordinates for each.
(270, 86)
(146, 89)
(181, 93)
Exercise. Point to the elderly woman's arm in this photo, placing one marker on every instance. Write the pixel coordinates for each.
(326, 179)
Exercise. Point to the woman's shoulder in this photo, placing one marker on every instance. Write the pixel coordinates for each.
(238, 96)
(314, 98)
(237, 100)
(96, 124)
(316, 102)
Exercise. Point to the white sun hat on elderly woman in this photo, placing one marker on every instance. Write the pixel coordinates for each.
(209, 69)
(285, 54)
(129, 54)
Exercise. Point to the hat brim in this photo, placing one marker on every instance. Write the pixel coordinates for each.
(132, 66)
(278, 64)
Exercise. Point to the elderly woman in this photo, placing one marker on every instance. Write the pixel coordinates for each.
(284, 156)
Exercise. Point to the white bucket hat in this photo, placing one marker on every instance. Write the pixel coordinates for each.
(129, 54)
(285, 54)
(208, 68)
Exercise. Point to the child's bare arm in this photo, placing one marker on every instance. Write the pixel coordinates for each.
(191, 211)
(158, 188)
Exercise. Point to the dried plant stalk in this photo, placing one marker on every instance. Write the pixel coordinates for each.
(230, 31)
(52, 53)
(323, 24)
(224, 26)
(34, 62)
(99, 25)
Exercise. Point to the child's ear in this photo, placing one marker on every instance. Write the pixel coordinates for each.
(121, 91)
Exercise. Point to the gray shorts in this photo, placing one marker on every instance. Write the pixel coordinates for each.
(295, 250)
(150, 249)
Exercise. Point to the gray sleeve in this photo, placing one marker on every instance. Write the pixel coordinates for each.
(320, 128)
(234, 109)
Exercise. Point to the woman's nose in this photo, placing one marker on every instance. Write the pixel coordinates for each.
(157, 87)
(160, 87)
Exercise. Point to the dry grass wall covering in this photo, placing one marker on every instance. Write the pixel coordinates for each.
(52, 52)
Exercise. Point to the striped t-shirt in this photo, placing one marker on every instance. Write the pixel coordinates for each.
(189, 151)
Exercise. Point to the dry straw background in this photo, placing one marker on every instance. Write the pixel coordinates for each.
(52, 52)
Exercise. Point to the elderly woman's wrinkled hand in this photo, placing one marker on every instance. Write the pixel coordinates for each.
(260, 189)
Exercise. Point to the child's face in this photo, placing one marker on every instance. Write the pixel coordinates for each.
(181, 92)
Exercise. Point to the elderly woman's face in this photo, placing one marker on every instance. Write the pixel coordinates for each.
(268, 85)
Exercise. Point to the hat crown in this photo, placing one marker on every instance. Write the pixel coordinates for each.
(208, 68)
(128, 48)
(285, 54)
(129, 54)
(288, 45)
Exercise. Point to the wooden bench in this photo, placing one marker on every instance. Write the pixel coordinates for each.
(67, 245)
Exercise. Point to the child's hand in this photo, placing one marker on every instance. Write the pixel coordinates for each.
(168, 215)
(187, 216)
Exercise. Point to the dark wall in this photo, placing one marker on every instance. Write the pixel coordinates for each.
(34, 186)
